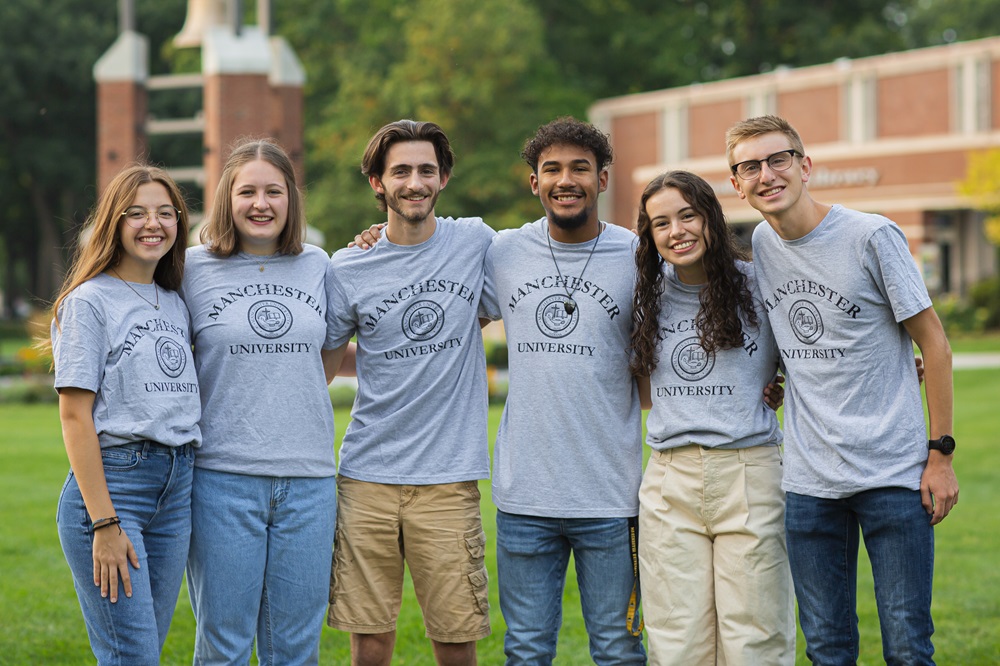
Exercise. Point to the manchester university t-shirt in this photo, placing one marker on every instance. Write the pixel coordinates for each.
(419, 417)
(257, 342)
(136, 359)
(835, 298)
(570, 438)
(710, 399)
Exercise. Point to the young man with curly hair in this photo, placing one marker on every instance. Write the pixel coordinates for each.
(568, 456)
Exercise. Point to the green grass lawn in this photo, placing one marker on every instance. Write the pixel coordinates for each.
(41, 622)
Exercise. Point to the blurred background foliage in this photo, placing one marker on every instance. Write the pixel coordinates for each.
(488, 71)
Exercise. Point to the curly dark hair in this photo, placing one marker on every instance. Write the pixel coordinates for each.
(726, 301)
(568, 131)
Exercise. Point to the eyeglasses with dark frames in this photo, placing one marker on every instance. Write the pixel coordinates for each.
(780, 161)
(136, 216)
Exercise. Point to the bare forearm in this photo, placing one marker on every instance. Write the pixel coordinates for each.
(84, 452)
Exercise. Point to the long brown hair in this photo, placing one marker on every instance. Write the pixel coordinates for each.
(726, 301)
(219, 234)
(102, 248)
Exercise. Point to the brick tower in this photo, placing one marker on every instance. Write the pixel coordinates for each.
(251, 84)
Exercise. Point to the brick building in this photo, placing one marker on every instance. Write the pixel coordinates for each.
(888, 134)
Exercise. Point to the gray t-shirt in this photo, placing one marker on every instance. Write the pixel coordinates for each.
(137, 360)
(570, 439)
(714, 400)
(853, 413)
(257, 341)
(420, 413)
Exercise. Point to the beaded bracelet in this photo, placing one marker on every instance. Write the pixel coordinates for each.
(104, 522)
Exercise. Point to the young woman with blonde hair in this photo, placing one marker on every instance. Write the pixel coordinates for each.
(264, 499)
(129, 406)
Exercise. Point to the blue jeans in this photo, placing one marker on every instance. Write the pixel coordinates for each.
(532, 557)
(822, 536)
(261, 551)
(150, 486)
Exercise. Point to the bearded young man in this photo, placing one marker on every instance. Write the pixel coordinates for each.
(416, 446)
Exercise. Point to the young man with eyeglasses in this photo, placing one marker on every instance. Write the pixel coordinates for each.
(845, 299)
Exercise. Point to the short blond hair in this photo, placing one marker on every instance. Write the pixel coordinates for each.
(754, 127)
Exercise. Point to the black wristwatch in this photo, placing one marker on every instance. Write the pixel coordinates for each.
(945, 444)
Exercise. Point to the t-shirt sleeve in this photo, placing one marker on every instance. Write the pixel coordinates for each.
(888, 259)
(489, 304)
(80, 346)
(339, 323)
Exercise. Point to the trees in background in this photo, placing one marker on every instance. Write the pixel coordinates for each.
(488, 71)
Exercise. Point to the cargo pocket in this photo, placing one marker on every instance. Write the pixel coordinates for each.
(480, 582)
(475, 544)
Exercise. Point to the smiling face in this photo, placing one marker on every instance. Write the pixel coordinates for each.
(679, 233)
(143, 247)
(568, 183)
(772, 193)
(260, 206)
(411, 182)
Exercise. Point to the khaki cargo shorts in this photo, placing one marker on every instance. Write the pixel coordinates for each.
(437, 530)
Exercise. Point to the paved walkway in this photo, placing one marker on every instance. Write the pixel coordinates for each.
(975, 360)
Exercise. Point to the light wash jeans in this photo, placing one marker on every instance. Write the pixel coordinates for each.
(150, 486)
(822, 536)
(532, 558)
(261, 551)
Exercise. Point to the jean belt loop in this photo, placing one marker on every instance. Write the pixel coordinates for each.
(145, 449)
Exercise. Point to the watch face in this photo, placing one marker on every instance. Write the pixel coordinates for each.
(946, 444)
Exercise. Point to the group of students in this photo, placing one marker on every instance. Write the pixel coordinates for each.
(200, 434)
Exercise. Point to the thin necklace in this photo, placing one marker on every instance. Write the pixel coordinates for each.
(261, 265)
(156, 305)
(569, 304)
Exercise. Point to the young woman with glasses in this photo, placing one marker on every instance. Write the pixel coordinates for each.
(129, 406)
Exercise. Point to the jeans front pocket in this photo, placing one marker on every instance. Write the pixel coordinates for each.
(119, 459)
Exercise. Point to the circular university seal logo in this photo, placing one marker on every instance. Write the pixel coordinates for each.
(807, 324)
(552, 318)
(423, 320)
(171, 356)
(690, 361)
(269, 319)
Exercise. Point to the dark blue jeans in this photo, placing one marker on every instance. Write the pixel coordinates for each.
(822, 536)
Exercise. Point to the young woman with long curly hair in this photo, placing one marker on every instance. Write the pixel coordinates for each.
(713, 568)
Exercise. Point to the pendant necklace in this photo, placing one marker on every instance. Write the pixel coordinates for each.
(156, 305)
(261, 265)
(569, 305)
